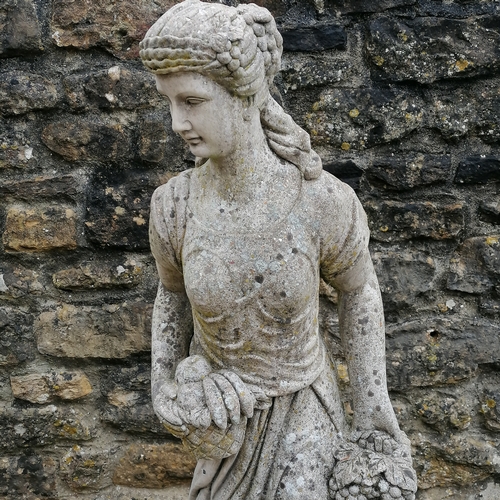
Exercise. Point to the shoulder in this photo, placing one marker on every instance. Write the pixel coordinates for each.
(167, 198)
(327, 193)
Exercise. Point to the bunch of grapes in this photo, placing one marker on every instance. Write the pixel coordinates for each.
(369, 488)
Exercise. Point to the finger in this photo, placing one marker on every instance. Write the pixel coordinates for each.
(378, 442)
(215, 403)
(229, 396)
(245, 395)
(200, 418)
(387, 446)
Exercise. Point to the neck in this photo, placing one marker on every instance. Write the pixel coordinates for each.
(241, 175)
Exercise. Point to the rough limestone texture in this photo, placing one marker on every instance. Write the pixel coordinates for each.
(83, 128)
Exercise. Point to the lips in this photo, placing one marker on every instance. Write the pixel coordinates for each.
(192, 140)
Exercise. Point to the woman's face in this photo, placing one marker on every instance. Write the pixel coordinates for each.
(204, 114)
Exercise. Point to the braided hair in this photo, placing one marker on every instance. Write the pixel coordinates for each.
(240, 49)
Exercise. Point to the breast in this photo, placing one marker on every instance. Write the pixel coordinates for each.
(276, 275)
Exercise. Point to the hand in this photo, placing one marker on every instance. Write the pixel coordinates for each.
(168, 411)
(227, 398)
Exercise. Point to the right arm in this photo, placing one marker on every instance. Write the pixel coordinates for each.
(172, 330)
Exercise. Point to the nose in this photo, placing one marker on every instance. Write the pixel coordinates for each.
(180, 122)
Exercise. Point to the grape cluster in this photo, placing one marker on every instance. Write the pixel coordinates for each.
(369, 488)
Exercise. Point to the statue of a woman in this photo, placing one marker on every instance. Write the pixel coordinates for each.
(240, 372)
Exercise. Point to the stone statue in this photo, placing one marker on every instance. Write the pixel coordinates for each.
(240, 371)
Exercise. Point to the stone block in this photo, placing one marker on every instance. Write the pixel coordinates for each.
(362, 118)
(63, 187)
(118, 208)
(439, 351)
(24, 92)
(99, 275)
(17, 342)
(304, 71)
(14, 155)
(27, 476)
(114, 88)
(490, 409)
(426, 49)
(154, 466)
(40, 229)
(117, 29)
(489, 211)
(128, 404)
(20, 32)
(414, 170)
(395, 220)
(88, 139)
(86, 469)
(153, 138)
(109, 331)
(478, 169)
(475, 265)
(403, 277)
(444, 413)
(17, 281)
(46, 387)
(315, 38)
(43, 426)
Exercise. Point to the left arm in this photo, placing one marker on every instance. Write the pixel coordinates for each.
(362, 330)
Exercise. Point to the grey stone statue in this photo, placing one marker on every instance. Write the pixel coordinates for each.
(240, 372)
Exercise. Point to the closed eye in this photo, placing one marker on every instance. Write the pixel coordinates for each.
(193, 101)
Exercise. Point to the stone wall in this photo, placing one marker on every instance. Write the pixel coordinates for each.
(402, 100)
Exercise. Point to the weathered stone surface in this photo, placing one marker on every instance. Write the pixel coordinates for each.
(13, 155)
(427, 49)
(40, 229)
(117, 27)
(442, 412)
(23, 92)
(456, 459)
(85, 469)
(88, 139)
(396, 172)
(17, 281)
(490, 211)
(64, 187)
(27, 476)
(118, 208)
(303, 72)
(109, 331)
(46, 387)
(17, 343)
(19, 28)
(435, 471)
(154, 136)
(43, 426)
(100, 275)
(490, 409)
(347, 171)
(403, 276)
(475, 266)
(154, 466)
(114, 88)
(490, 306)
(457, 112)
(348, 6)
(478, 169)
(314, 38)
(394, 220)
(439, 351)
(362, 118)
(128, 400)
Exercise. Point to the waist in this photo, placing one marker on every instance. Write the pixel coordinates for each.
(281, 360)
